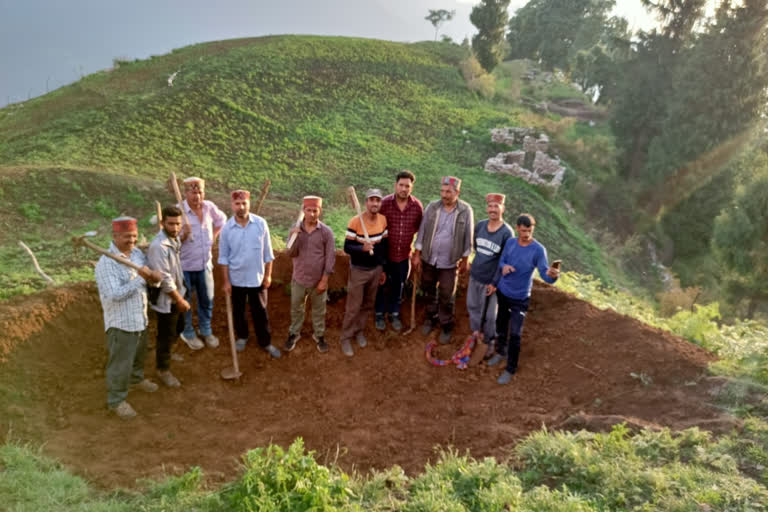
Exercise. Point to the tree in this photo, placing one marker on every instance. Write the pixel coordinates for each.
(437, 17)
(490, 17)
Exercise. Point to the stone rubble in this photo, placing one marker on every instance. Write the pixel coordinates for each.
(547, 171)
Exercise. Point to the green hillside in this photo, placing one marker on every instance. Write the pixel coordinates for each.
(312, 114)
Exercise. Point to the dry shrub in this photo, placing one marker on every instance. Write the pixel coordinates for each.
(476, 78)
(677, 299)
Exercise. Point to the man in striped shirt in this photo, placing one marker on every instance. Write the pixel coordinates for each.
(123, 295)
(366, 268)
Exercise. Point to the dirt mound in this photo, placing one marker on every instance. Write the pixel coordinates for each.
(384, 406)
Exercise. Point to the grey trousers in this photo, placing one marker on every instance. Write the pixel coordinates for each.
(125, 362)
(475, 299)
(299, 295)
(361, 297)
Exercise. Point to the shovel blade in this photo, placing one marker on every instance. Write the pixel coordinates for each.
(230, 374)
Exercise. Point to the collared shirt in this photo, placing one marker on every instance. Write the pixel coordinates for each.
(163, 255)
(401, 225)
(443, 240)
(245, 250)
(122, 291)
(314, 254)
(196, 249)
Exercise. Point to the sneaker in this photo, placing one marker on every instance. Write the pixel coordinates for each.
(445, 336)
(381, 324)
(290, 343)
(495, 359)
(240, 344)
(427, 327)
(346, 347)
(273, 351)
(505, 377)
(167, 378)
(211, 341)
(361, 340)
(193, 343)
(146, 386)
(321, 345)
(124, 411)
(394, 321)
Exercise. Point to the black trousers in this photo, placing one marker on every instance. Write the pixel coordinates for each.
(509, 328)
(169, 326)
(257, 299)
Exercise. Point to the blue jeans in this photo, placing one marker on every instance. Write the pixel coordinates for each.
(201, 284)
(390, 296)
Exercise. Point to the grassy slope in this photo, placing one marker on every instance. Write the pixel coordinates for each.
(314, 114)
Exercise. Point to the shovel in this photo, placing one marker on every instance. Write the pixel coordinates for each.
(481, 349)
(413, 307)
(233, 372)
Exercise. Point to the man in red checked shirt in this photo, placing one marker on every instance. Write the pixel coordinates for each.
(403, 213)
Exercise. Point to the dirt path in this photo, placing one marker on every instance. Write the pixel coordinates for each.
(382, 407)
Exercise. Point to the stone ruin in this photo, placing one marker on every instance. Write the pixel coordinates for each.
(547, 171)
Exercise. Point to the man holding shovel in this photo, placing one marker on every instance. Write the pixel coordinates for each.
(123, 295)
(197, 237)
(170, 306)
(311, 247)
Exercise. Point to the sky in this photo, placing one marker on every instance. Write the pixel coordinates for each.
(45, 44)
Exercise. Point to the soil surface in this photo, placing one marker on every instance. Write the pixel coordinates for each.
(384, 406)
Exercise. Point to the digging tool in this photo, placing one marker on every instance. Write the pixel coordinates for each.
(481, 349)
(356, 204)
(233, 372)
(177, 193)
(36, 264)
(159, 210)
(80, 241)
(293, 237)
(413, 306)
(262, 196)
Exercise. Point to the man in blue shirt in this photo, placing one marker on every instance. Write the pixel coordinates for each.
(245, 256)
(513, 282)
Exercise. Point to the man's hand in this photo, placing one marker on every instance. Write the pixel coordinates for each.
(183, 306)
(185, 231)
(322, 285)
(553, 272)
(227, 287)
(156, 276)
(146, 274)
(382, 278)
(367, 247)
(267, 281)
(490, 290)
(463, 265)
(507, 269)
(416, 262)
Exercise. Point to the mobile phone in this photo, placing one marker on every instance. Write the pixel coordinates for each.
(556, 264)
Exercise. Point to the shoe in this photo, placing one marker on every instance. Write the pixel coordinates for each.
(211, 341)
(495, 359)
(381, 324)
(290, 343)
(361, 340)
(273, 351)
(445, 336)
(124, 411)
(394, 321)
(505, 377)
(193, 343)
(177, 357)
(321, 345)
(167, 378)
(427, 327)
(146, 386)
(346, 347)
(240, 344)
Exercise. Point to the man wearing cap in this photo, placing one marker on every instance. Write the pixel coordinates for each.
(367, 255)
(514, 280)
(313, 253)
(170, 306)
(123, 295)
(245, 256)
(489, 238)
(197, 237)
(443, 246)
(403, 213)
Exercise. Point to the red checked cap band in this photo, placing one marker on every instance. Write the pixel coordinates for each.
(312, 202)
(124, 224)
(451, 180)
(238, 195)
(495, 198)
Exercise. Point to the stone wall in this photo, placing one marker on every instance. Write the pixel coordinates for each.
(547, 171)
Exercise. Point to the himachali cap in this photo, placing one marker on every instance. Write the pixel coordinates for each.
(451, 180)
(312, 202)
(240, 195)
(194, 182)
(495, 198)
(124, 224)
(373, 192)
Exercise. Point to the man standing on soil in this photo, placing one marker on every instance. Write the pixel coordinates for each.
(514, 280)
(443, 246)
(123, 295)
(170, 306)
(197, 237)
(403, 213)
(314, 255)
(490, 236)
(245, 256)
(366, 268)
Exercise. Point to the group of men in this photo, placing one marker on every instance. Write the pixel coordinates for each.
(382, 251)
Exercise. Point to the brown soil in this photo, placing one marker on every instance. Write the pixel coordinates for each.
(384, 406)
